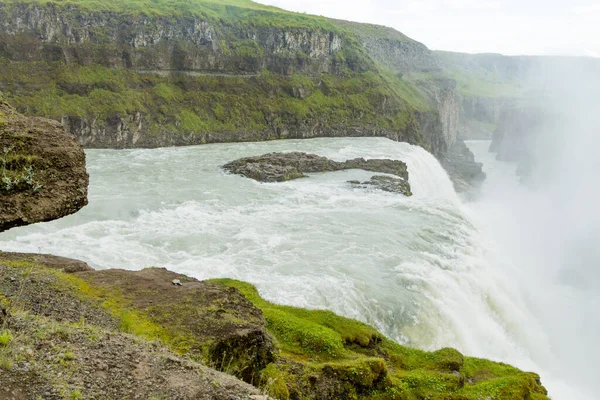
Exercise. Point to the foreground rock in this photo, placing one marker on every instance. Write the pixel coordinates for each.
(280, 167)
(116, 334)
(42, 169)
(128, 335)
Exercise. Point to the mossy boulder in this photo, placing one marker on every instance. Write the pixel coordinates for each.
(325, 356)
(42, 170)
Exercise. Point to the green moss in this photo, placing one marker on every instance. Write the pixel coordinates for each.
(19, 171)
(323, 354)
(5, 338)
(212, 105)
(361, 373)
(274, 382)
(130, 321)
(318, 334)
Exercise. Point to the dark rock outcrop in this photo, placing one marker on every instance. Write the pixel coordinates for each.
(280, 167)
(217, 324)
(466, 174)
(43, 170)
(385, 183)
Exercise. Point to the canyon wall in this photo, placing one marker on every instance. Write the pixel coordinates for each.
(126, 77)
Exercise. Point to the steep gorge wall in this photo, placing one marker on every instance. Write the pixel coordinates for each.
(414, 63)
(234, 80)
(73, 56)
(72, 35)
(120, 79)
(480, 116)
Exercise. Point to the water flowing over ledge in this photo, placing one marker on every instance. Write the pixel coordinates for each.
(416, 268)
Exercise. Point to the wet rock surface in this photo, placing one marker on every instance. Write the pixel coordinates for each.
(386, 183)
(280, 167)
(466, 174)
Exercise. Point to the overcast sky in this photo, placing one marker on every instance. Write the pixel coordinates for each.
(567, 27)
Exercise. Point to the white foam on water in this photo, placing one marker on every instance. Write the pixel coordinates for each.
(421, 269)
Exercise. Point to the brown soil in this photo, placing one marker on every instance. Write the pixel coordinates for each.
(66, 344)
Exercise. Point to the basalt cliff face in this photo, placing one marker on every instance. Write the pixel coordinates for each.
(150, 74)
(72, 34)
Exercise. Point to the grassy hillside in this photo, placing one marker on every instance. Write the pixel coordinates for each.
(360, 363)
(236, 71)
(226, 11)
(209, 104)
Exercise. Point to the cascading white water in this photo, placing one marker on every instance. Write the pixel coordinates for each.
(421, 269)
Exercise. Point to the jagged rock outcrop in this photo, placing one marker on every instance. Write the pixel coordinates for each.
(146, 42)
(43, 175)
(385, 183)
(464, 171)
(280, 167)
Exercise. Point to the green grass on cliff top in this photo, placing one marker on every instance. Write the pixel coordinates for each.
(227, 11)
(323, 341)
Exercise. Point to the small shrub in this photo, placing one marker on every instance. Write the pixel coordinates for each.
(76, 395)
(5, 338)
(6, 364)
